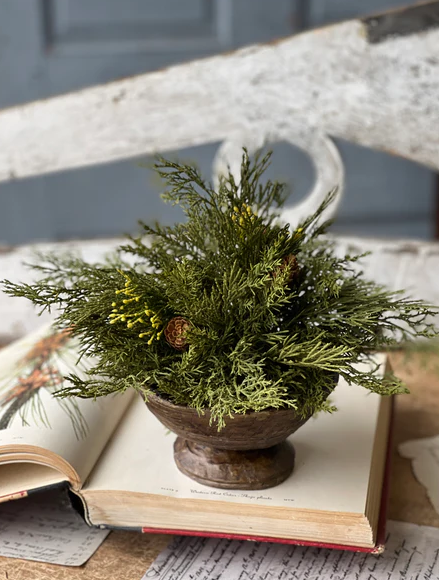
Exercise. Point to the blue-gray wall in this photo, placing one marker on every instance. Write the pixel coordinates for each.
(49, 47)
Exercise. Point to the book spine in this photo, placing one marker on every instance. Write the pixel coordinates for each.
(385, 494)
(371, 550)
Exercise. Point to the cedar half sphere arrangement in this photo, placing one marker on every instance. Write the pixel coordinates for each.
(233, 328)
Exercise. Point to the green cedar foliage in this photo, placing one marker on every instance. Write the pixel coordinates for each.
(261, 332)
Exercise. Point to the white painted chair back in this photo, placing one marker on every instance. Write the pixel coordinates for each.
(373, 82)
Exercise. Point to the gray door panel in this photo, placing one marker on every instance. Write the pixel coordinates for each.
(49, 47)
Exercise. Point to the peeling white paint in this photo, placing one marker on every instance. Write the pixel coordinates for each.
(332, 81)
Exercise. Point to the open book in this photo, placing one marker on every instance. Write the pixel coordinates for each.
(118, 459)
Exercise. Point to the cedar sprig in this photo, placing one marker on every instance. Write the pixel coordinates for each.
(259, 334)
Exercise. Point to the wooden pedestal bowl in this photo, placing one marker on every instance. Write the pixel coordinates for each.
(250, 452)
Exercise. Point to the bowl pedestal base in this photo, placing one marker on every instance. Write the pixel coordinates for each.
(230, 469)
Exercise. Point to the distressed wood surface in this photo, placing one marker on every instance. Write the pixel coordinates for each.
(378, 90)
(372, 81)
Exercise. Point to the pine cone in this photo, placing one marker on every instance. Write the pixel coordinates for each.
(292, 264)
(175, 332)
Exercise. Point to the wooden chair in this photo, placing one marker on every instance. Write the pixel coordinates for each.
(374, 82)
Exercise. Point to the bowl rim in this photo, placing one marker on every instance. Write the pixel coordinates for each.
(165, 403)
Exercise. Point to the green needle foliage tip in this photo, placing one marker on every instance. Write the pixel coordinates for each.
(229, 311)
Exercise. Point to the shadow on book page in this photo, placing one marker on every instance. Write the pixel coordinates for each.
(44, 527)
(411, 552)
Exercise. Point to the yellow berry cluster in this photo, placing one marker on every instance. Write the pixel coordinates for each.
(129, 312)
(243, 215)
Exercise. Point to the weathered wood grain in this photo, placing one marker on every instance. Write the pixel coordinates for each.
(333, 81)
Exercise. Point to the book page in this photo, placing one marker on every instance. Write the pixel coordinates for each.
(338, 447)
(45, 528)
(411, 552)
(16, 479)
(32, 419)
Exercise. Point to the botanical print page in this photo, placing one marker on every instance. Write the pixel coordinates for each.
(76, 429)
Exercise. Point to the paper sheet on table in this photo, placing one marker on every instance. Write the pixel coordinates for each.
(424, 454)
(43, 527)
(412, 552)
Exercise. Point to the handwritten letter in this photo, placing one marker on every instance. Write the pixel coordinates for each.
(45, 528)
(412, 552)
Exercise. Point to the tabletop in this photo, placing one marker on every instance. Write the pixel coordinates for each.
(127, 555)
